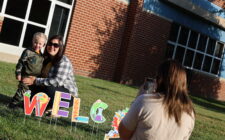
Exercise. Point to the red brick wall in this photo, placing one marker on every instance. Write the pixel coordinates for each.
(95, 36)
(221, 90)
(207, 86)
(108, 42)
(133, 9)
(97, 31)
(146, 48)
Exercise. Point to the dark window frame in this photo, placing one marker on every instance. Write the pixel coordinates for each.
(214, 52)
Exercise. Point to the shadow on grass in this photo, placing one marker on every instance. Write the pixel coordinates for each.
(91, 128)
(4, 99)
(210, 104)
(213, 118)
(113, 91)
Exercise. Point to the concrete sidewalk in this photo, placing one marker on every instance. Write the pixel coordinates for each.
(8, 58)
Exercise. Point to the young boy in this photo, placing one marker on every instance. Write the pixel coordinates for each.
(29, 64)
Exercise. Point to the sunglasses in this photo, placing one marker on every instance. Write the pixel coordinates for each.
(54, 44)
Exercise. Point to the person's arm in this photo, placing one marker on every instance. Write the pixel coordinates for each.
(61, 72)
(190, 129)
(29, 80)
(130, 122)
(125, 134)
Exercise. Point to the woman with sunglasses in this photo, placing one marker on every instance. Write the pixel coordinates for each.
(57, 72)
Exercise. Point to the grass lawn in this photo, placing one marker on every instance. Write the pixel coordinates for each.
(210, 114)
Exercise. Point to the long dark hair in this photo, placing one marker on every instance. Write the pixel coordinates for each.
(60, 53)
(172, 82)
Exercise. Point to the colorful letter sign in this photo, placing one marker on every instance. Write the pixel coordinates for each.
(119, 115)
(96, 111)
(39, 102)
(75, 112)
(56, 111)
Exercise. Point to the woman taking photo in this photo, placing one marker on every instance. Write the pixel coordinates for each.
(166, 114)
(57, 72)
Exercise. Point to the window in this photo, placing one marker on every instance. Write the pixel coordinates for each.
(1, 3)
(17, 8)
(193, 40)
(219, 50)
(202, 43)
(211, 46)
(22, 18)
(189, 58)
(183, 36)
(37, 15)
(198, 61)
(207, 63)
(174, 32)
(12, 37)
(195, 50)
(169, 51)
(179, 53)
(31, 30)
(59, 21)
(216, 65)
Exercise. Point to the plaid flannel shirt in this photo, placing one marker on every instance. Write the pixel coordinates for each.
(61, 75)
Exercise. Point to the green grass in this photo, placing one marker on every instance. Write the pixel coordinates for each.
(210, 114)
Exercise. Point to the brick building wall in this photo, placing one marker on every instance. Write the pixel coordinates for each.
(147, 46)
(109, 42)
(207, 86)
(95, 35)
(221, 90)
(112, 40)
(147, 50)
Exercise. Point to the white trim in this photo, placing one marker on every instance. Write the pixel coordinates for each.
(63, 4)
(24, 20)
(13, 17)
(50, 16)
(10, 49)
(4, 6)
(69, 19)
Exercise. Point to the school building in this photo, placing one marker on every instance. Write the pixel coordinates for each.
(126, 40)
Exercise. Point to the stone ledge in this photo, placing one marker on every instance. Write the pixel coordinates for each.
(8, 58)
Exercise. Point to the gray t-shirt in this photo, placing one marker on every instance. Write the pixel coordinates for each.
(149, 121)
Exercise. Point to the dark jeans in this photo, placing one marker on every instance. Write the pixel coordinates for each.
(50, 91)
